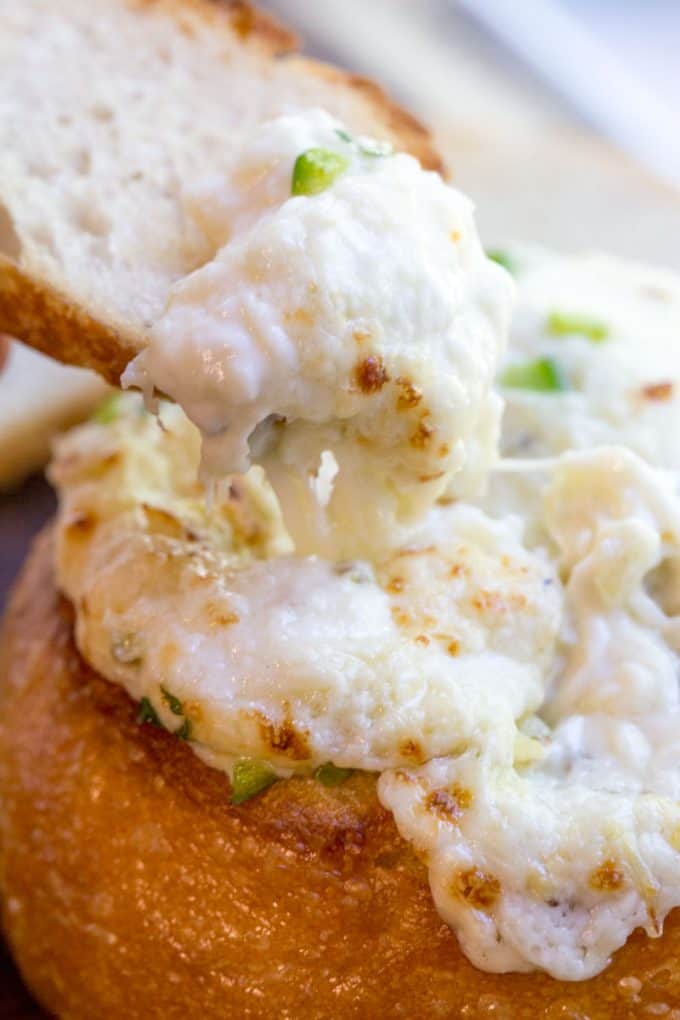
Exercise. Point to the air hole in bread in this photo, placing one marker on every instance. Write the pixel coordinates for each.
(82, 162)
(100, 111)
(90, 218)
(10, 245)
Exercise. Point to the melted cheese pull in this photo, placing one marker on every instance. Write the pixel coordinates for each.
(360, 320)
(550, 859)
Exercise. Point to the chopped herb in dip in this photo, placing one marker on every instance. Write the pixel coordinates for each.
(148, 714)
(108, 411)
(250, 777)
(542, 375)
(503, 259)
(316, 169)
(330, 775)
(562, 324)
(173, 703)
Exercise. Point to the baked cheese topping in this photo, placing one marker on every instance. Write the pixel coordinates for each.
(200, 604)
(608, 329)
(552, 862)
(348, 310)
(508, 661)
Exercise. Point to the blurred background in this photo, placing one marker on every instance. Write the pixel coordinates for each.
(561, 118)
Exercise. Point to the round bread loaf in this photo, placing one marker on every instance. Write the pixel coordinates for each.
(131, 887)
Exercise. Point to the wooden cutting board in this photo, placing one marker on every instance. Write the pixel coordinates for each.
(21, 516)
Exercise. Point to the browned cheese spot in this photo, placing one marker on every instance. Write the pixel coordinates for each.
(370, 375)
(283, 737)
(420, 439)
(608, 877)
(453, 647)
(300, 315)
(401, 617)
(411, 749)
(479, 889)
(449, 805)
(422, 639)
(396, 585)
(221, 616)
(409, 395)
(658, 391)
(495, 602)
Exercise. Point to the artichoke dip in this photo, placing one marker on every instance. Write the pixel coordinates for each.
(382, 575)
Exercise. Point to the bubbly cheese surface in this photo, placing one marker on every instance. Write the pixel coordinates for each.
(507, 661)
(364, 320)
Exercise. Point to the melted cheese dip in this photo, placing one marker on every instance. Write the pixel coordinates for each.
(363, 320)
(510, 663)
(623, 386)
(405, 654)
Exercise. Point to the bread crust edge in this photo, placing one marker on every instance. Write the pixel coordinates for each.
(131, 886)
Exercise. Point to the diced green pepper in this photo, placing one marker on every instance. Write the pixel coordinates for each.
(184, 732)
(543, 375)
(331, 775)
(316, 169)
(173, 703)
(250, 777)
(148, 714)
(503, 259)
(108, 411)
(562, 324)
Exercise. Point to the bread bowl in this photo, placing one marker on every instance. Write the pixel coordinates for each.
(514, 681)
(163, 899)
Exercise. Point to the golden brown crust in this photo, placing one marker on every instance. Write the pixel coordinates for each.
(249, 23)
(132, 888)
(38, 314)
(42, 316)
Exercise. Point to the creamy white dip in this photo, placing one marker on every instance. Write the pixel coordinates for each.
(508, 662)
(364, 320)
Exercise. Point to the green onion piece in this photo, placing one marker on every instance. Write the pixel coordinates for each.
(108, 411)
(173, 703)
(543, 375)
(331, 775)
(148, 714)
(561, 324)
(250, 778)
(503, 259)
(344, 135)
(184, 732)
(316, 169)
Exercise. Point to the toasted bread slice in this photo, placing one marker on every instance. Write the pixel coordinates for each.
(107, 111)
